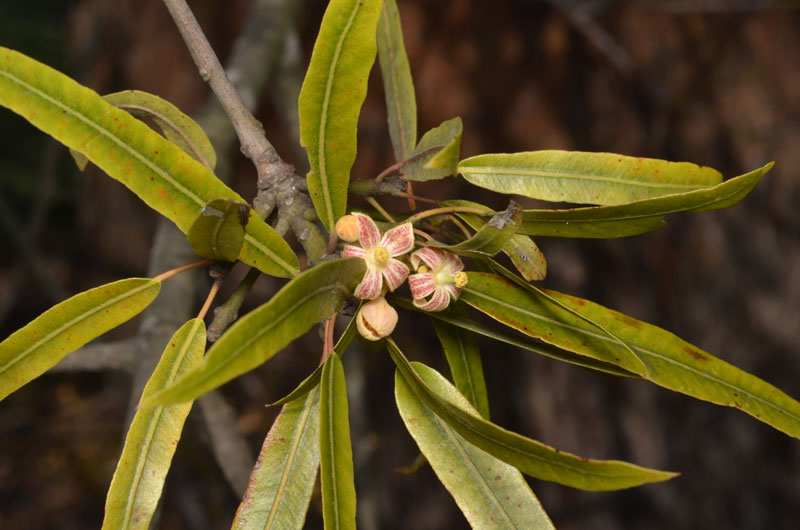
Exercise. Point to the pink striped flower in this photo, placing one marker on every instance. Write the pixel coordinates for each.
(379, 253)
(440, 278)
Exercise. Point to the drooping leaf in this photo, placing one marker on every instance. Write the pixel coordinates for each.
(330, 100)
(283, 478)
(491, 238)
(490, 493)
(218, 232)
(436, 156)
(520, 341)
(640, 216)
(677, 364)
(153, 437)
(529, 456)
(31, 351)
(176, 126)
(167, 179)
(401, 104)
(309, 298)
(585, 178)
(336, 453)
(464, 358)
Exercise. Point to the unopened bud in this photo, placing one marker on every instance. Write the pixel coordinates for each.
(376, 319)
(347, 228)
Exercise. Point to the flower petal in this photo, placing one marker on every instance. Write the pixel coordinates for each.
(421, 285)
(452, 263)
(399, 239)
(370, 286)
(438, 302)
(368, 234)
(452, 290)
(395, 273)
(432, 257)
(349, 251)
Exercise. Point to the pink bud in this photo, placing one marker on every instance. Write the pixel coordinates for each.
(347, 228)
(376, 319)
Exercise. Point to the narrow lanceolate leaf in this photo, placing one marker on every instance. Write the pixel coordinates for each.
(218, 232)
(529, 456)
(585, 178)
(336, 453)
(526, 256)
(464, 358)
(167, 179)
(436, 156)
(676, 364)
(492, 237)
(330, 100)
(401, 105)
(153, 437)
(176, 126)
(283, 478)
(309, 298)
(640, 216)
(65, 327)
(490, 493)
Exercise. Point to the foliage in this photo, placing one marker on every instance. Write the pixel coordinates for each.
(449, 420)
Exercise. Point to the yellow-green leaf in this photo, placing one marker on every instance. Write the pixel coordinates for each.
(330, 100)
(436, 156)
(283, 478)
(585, 178)
(676, 364)
(336, 453)
(218, 232)
(65, 327)
(167, 179)
(529, 456)
(640, 216)
(490, 493)
(309, 298)
(153, 437)
(401, 105)
(490, 238)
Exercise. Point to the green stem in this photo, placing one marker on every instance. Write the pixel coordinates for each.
(444, 210)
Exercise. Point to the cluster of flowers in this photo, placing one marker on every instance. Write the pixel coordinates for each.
(439, 274)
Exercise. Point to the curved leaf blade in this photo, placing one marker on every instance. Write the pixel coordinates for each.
(677, 365)
(283, 479)
(153, 437)
(218, 232)
(163, 176)
(31, 351)
(529, 456)
(585, 178)
(436, 156)
(330, 100)
(309, 298)
(640, 216)
(490, 493)
(401, 103)
(336, 453)
(491, 238)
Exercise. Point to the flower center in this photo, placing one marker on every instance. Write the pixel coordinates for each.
(380, 255)
(460, 279)
(422, 269)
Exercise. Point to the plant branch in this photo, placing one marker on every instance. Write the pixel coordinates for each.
(226, 313)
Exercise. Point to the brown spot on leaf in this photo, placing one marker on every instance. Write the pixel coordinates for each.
(694, 353)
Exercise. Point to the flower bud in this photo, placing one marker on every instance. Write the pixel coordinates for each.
(376, 319)
(347, 228)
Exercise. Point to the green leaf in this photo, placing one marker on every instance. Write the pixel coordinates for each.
(218, 232)
(490, 493)
(524, 253)
(529, 456)
(176, 126)
(163, 176)
(153, 437)
(677, 364)
(283, 478)
(65, 327)
(638, 217)
(464, 358)
(401, 105)
(520, 341)
(585, 178)
(437, 153)
(330, 100)
(491, 238)
(309, 298)
(336, 454)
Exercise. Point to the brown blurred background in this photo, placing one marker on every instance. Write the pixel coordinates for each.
(709, 81)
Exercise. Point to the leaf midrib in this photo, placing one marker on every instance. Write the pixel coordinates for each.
(393, 79)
